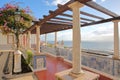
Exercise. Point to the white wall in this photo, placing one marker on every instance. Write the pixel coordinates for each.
(33, 38)
(3, 39)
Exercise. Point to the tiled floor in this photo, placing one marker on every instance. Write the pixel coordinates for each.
(3, 58)
(55, 65)
(24, 78)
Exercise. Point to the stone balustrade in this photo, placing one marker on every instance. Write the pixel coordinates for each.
(99, 62)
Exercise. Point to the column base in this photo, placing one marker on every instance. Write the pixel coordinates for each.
(17, 70)
(76, 74)
(39, 62)
(66, 75)
(17, 61)
(116, 58)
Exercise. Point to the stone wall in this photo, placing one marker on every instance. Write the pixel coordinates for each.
(3, 39)
(7, 39)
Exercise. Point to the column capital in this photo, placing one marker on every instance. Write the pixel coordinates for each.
(29, 31)
(116, 21)
(76, 4)
(36, 25)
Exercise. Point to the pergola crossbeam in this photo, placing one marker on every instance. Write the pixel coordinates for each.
(101, 9)
(90, 15)
(67, 15)
(62, 19)
(66, 19)
(102, 21)
(84, 13)
(56, 21)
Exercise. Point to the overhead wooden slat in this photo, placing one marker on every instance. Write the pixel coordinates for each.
(87, 19)
(62, 19)
(83, 22)
(90, 15)
(67, 15)
(102, 21)
(70, 22)
(51, 27)
(85, 13)
(56, 12)
(60, 10)
(101, 9)
(58, 30)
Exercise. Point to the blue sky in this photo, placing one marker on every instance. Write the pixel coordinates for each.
(101, 32)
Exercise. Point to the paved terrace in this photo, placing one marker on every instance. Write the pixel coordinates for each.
(6, 65)
(3, 59)
(6, 57)
(55, 65)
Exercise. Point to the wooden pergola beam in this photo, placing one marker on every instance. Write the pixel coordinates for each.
(87, 19)
(53, 27)
(84, 13)
(67, 15)
(102, 21)
(60, 10)
(58, 26)
(62, 19)
(101, 9)
(64, 22)
(70, 22)
(90, 15)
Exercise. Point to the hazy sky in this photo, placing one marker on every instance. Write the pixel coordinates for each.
(101, 32)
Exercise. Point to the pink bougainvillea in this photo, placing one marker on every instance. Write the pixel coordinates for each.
(8, 24)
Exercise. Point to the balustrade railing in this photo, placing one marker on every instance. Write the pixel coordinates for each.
(92, 60)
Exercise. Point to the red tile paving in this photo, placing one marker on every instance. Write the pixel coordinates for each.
(55, 65)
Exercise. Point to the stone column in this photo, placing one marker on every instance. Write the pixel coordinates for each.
(17, 61)
(39, 59)
(55, 39)
(25, 41)
(76, 54)
(45, 39)
(37, 39)
(116, 39)
(21, 40)
(29, 40)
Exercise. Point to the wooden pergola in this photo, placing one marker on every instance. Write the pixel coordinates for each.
(52, 23)
(59, 20)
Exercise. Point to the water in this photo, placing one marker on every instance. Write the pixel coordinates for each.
(100, 46)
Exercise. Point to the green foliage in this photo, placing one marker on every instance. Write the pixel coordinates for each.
(65, 47)
(50, 45)
(29, 56)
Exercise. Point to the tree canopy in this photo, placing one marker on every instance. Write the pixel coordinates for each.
(8, 23)
(7, 18)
